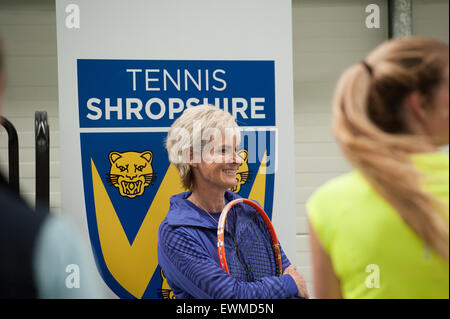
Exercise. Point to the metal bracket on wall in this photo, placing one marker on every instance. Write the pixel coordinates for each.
(13, 153)
(400, 18)
(42, 140)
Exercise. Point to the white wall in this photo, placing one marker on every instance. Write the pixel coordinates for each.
(28, 29)
(430, 17)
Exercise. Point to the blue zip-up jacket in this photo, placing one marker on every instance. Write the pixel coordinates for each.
(187, 253)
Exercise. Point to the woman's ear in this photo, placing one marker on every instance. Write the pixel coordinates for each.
(189, 157)
(415, 104)
(416, 113)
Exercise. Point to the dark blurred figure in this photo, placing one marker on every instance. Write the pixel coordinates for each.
(40, 255)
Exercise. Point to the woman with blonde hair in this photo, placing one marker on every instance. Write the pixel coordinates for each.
(382, 231)
(202, 144)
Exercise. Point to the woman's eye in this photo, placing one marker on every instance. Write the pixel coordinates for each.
(227, 151)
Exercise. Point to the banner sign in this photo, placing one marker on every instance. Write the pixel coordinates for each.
(122, 109)
(126, 93)
(127, 178)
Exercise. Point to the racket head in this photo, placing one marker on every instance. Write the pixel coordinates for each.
(255, 240)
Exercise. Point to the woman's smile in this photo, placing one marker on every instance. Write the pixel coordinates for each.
(230, 172)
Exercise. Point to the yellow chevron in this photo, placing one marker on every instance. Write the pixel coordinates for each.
(258, 191)
(132, 265)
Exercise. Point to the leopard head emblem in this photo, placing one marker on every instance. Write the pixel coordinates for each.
(131, 172)
(242, 174)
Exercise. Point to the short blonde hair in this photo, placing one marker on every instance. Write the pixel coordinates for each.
(181, 139)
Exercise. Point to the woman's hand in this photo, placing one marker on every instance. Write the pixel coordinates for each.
(299, 281)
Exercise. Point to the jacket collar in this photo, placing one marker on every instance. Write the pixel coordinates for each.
(183, 212)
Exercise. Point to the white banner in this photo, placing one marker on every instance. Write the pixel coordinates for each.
(126, 71)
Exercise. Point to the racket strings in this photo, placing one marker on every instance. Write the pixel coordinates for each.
(248, 247)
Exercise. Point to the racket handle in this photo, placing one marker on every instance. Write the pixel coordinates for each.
(277, 254)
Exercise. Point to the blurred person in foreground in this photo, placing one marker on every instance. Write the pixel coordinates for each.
(381, 231)
(41, 256)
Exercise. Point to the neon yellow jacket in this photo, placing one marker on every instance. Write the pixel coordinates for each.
(373, 252)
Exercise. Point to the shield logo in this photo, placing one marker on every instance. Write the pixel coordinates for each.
(128, 179)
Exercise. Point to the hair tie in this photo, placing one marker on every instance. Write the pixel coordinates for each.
(368, 67)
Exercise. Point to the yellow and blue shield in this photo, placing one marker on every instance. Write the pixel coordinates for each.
(126, 108)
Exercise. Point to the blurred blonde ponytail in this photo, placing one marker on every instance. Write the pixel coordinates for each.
(369, 126)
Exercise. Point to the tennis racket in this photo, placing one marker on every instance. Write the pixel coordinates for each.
(247, 244)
